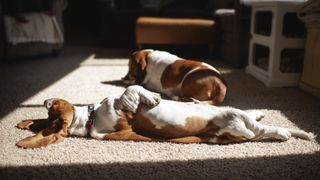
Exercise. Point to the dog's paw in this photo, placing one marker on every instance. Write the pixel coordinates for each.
(283, 134)
(259, 115)
(311, 136)
(25, 124)
(255, 114)
(153, 99)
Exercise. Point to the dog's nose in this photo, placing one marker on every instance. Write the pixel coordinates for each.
(128, 79)
(48, 103)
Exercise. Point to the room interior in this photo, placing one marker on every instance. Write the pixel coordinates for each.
(275, 71)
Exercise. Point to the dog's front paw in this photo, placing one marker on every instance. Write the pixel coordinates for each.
(25, 124)
(153, 100)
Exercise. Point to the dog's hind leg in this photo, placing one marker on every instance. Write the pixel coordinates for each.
(262, 131)
(282, 134)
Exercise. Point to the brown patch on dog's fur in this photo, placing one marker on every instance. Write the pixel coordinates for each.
(196, 130)
(205, 85)
(123, 122)
(175, 72)
(124, 130)
(60, 117)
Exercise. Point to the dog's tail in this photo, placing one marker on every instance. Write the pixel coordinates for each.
(302, 134)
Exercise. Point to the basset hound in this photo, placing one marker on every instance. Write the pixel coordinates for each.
(175, 77)
(141, 115)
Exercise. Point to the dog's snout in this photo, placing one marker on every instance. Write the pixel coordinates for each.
(128, 79)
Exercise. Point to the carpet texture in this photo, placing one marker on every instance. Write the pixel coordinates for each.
(84, 76)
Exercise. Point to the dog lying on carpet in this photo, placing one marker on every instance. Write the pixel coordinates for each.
(175, 77)
(141, 115)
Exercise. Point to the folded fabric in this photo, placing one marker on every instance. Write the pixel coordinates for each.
(39, 28)
(225, 11)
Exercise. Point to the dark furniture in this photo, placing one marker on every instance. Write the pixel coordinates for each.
(232, 31)
(119, 18)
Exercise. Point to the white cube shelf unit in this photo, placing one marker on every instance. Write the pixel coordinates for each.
(277, 43)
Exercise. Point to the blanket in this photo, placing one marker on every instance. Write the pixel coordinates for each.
(39, 28)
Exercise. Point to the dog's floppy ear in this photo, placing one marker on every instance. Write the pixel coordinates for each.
(140, 58)
(137, 67)
(60, 118)
(45, 137)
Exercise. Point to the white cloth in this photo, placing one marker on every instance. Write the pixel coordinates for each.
(39, 28)
(225, 11)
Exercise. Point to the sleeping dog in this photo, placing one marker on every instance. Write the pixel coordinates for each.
(175, 77)
(141, 115)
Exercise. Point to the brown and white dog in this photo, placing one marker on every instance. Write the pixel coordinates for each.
(175, 77)
(141, 115)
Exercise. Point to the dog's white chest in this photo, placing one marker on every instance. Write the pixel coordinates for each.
(106, 117)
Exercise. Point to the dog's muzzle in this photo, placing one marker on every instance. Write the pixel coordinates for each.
(128, 79)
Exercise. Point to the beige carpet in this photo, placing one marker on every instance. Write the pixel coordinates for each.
(84, 75)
